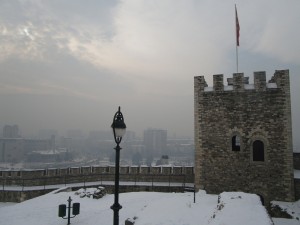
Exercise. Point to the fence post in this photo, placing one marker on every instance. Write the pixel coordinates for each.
(152, 181)
(194, 193)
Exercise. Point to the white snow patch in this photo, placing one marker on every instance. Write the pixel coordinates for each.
(228, 88)
(207, 89)
(292, 208)
(249, 86)
(282, 221)
(5, 204)
(240, 208)
(271, 85)
(144, 207)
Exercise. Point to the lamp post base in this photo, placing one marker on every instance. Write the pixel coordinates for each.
(116, 208)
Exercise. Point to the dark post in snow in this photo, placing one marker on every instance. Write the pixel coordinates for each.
(191, 189)
(62, 210)
(119, 129)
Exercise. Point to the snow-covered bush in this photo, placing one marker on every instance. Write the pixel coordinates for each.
(96, 193)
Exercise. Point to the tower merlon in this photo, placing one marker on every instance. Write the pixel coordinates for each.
(282, 79)
(260, 80)
(199, 82)
(239, 83)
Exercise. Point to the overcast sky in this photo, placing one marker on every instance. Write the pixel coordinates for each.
(68, 64)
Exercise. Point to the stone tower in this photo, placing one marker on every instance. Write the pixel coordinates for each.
(243, 135)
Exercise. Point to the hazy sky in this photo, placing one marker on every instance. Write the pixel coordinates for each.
(68, 64)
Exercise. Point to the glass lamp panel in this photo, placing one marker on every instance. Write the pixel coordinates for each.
(120, 132)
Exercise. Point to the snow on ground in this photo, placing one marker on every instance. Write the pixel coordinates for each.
(292, 208)
(233, 208)
(3, 204)
(148, 208)
(282, 221)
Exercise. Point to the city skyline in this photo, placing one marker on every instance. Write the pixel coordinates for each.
(78, 133)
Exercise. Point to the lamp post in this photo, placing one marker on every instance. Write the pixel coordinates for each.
(119, 129)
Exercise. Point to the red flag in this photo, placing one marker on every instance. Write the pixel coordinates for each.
(237, 28)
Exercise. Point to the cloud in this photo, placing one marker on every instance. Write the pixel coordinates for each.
(159, 37)
(270, 29)
(280, 35)
(12, 89)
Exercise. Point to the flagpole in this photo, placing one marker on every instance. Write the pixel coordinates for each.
(237, 58)
(237, 35)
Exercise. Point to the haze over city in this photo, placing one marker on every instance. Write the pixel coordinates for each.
(70, 64)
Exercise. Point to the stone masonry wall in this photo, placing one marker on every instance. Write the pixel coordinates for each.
(259, 111)
(96, 173)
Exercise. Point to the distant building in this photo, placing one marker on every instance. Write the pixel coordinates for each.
(11, 150)
(155, 141)
(11, 131)
(14, 150)
(49, 156)
(47, 133)
(164, 160)
(243, 136)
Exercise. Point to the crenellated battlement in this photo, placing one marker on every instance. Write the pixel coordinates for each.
(239, 83)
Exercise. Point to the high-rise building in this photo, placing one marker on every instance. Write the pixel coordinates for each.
(11, 131)
(155, 141)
